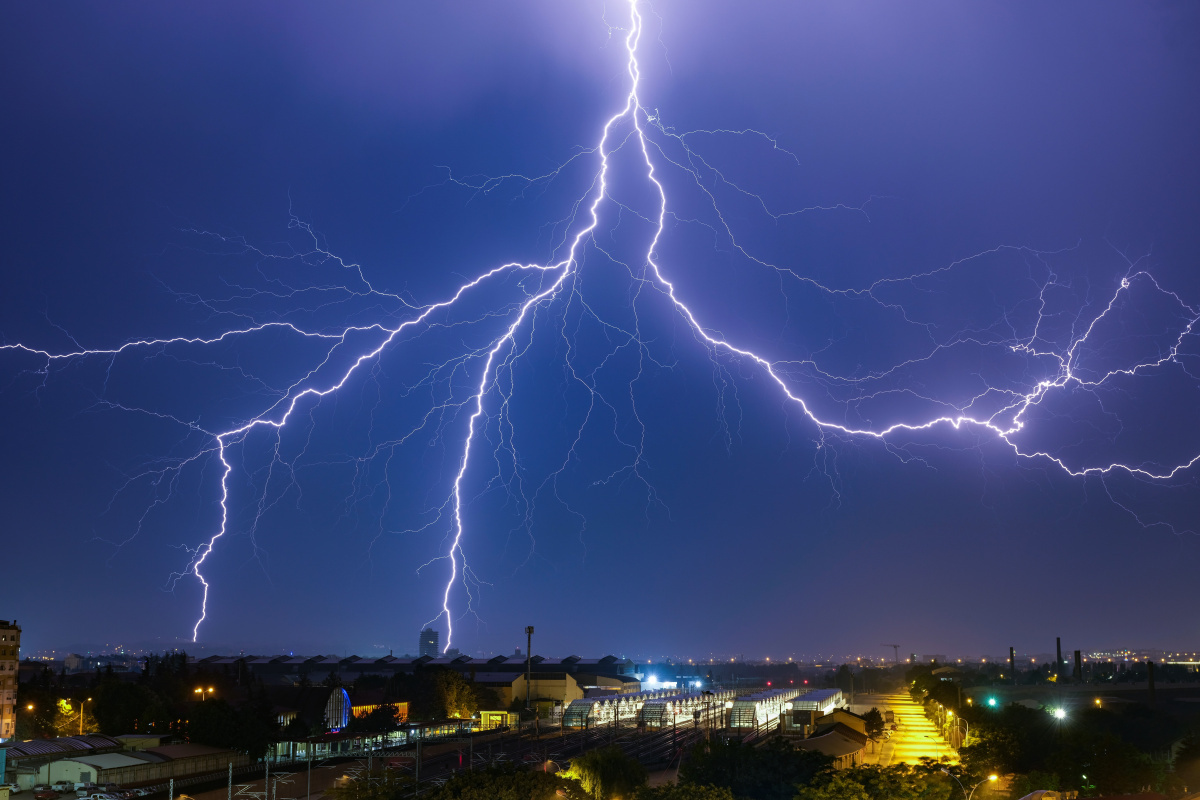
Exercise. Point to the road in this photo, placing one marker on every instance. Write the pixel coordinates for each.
(915, 736)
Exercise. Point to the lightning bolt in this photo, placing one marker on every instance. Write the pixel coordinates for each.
(1000, 414)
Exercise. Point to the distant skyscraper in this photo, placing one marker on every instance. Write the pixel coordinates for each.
(10, 655)
(427, 643)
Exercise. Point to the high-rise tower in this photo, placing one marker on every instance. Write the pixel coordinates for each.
(427, 643)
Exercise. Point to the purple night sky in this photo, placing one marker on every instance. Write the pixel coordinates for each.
(928, 212)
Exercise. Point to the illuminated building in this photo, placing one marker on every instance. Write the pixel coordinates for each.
(546, 689)
(10, 655)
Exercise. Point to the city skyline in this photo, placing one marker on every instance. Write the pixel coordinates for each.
(760, 352)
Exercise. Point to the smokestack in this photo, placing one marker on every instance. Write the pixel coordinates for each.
(1078, 668)
(1012, 664)
(1150, 679)
(1058, 661)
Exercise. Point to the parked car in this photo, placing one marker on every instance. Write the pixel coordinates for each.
(41, 787)
(62, 786)
(85, 788)
(45, 794)
(12, 787)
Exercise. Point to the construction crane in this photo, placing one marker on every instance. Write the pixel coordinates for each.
(894, 647)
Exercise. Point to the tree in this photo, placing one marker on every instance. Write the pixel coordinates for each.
(1028, 784)
(380, 719)
(839, 786)
(455, 695)
(908, 782)
(212, 722)
(769, 772)
(1187, 760)
(486, 698)
(258, 725)
(1095, 742)
(845, 678)
(505, 782)
(434, 693)
(127, 707)
(897, 782)
(249, 728)
(37, 722)
(874, 721)
(608, 773)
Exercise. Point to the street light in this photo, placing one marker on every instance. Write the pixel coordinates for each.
(203, 696)
(988, 779)
(1060, 713)
(81, 707)
(966, 732)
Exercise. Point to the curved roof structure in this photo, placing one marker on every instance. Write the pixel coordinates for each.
(67, 744)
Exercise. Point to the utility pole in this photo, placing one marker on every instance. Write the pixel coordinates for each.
(528, 660)
(417, 782)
